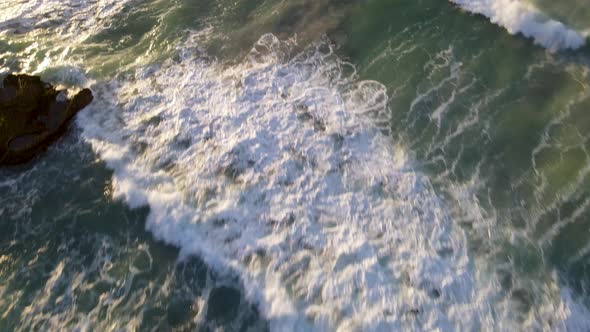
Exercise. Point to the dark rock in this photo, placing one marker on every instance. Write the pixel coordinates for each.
(33, 114)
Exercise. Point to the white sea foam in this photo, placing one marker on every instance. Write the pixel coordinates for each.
(72, 19)
(278, 169)
(519, 17)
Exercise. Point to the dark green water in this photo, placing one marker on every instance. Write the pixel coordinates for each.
(127, 224)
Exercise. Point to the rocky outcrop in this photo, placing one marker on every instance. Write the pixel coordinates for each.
(33, 115)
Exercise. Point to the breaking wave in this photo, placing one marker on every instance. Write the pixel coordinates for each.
(518, 17)
(281, 169)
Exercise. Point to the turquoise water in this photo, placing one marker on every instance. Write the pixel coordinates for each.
(304, 165)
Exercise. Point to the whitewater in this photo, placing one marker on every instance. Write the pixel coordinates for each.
(520, 17)
(279, 168)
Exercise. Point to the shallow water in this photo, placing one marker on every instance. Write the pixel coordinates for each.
(303, 165)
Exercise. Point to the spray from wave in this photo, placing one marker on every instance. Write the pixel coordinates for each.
(518, 17)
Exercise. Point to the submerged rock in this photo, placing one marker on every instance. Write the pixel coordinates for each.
(33, 114)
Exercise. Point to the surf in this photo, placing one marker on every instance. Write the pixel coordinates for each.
(281, 169)
(519, 17)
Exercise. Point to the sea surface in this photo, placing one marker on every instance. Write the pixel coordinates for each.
(303, 165)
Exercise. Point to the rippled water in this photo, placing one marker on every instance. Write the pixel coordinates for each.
(302, 165)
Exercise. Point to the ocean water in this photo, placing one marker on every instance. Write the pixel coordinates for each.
(325, 165)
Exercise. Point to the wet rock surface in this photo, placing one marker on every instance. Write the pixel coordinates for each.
(33, 115)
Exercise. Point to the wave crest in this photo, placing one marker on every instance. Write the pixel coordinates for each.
(518, 17)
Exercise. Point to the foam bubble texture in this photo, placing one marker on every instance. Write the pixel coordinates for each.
(73, 19)
(273, 168)
(281, 169)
